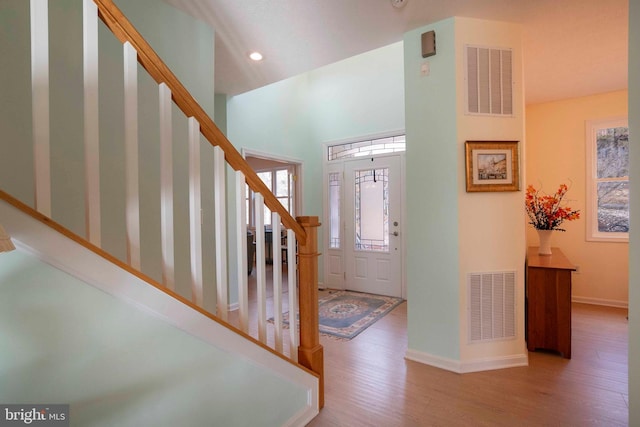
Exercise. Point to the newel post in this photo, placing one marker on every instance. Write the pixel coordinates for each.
(310, 352)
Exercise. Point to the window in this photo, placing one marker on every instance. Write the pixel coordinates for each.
(608, 180)
(372, 210)
(280, 182)
(369, 147)
(334, 210)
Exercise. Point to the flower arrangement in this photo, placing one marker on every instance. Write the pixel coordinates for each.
(545, 211)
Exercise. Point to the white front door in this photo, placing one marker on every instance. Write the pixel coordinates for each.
(372, 219)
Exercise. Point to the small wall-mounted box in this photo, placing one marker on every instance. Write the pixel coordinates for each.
(428, 44)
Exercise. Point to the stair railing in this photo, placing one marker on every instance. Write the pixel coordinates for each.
(304, 348)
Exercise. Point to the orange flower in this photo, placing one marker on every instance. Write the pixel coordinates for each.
(545, 212)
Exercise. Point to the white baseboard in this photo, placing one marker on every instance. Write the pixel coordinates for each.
(500, 362)
(460, 367)
(302, 418)
(600, 301)
(432, 360)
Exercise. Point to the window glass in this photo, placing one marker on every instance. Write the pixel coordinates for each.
(282, 183)
(369, 147)
(334, 210)
(613, 207)
(608, 180)
(613, 152)
(372, 210)
(266, 178)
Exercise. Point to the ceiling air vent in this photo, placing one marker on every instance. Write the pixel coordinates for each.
(492, 306)
(489, 81)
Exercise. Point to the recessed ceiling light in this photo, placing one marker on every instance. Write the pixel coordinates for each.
(256, 56)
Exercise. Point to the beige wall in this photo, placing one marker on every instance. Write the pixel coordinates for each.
(555, 134)
(490, 228)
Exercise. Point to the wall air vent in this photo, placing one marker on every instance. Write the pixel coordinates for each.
(489, 81)
(492, 306)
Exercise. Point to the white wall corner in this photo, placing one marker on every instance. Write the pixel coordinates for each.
(304, 416)
(433, 360)
(463, 367)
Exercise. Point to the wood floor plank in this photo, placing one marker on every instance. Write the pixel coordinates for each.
(369, 383)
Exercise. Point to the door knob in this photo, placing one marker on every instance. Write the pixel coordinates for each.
(395, 233)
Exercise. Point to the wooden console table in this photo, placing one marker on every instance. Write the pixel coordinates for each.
(548, 301)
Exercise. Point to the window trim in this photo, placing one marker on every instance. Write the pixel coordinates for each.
(592, 233)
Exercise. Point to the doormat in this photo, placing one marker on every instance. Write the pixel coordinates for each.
(345, 314)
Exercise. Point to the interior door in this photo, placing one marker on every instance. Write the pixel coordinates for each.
(373, 239)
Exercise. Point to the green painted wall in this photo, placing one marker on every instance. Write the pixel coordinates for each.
(275, 119)
(357, 97)
(65, 341)
(16, 149)
(183, 43)
(66, 103)
(221, 112)
(188, 49)
(634, 240)
(432, 187)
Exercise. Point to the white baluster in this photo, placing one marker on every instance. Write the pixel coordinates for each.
(166, 187)
(40, 104)
(292, 283)
(261, 277)
(195, 214)
(131, 155)
(91, 121)
(241, 255)
(220, 169)
(277, 280)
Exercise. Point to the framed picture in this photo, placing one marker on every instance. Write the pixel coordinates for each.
(492, 166)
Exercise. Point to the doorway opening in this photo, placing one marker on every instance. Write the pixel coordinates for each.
(282, 176)
(364, 216)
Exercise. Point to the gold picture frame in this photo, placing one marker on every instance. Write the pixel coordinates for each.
(492, 166)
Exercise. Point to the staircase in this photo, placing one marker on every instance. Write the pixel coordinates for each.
(200, 307)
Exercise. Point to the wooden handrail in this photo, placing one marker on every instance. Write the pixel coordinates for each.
(120, 26)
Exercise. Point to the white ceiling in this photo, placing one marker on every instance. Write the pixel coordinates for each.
(571, 47)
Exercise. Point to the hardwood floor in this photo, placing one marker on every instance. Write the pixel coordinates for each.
(369, 383)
